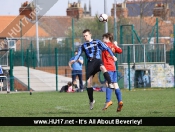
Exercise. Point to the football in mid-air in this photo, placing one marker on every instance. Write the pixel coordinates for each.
(103, 18)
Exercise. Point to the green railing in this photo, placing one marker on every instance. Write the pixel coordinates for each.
(138, 53)
(153, 53)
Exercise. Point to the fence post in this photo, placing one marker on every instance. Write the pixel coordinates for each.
(73, 47)
(32, 55)
(115, 21)
(34, 59)
(22, 58)
(174, 55)
(121, 34)
(31, 49)
(49, 54)
(132, 28)
(28, 73)
(144, 56)
(164, 48)
(115, 34)
(129, 68)
(56, 67)
(157, 30)
(11, 71)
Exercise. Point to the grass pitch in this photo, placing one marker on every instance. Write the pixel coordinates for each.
(137, 103)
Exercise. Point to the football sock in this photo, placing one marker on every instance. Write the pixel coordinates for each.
(107, 77)
(90, 94)
(118, 94)
(108, 94)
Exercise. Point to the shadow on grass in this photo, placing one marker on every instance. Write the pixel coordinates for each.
(156, 112)
(68, 112)
(171, 112)
(63, 112)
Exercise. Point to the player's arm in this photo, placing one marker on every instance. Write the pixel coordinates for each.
(70, 64)
(77, 55)
(117, 48)
(80, 60)
(103, 46)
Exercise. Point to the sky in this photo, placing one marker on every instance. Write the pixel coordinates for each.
(11, 7)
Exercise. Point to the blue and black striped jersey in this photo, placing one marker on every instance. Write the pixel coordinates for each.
(93, 49)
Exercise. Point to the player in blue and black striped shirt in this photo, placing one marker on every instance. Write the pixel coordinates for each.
(92, 49)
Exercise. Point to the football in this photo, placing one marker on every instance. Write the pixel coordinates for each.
(103, 18)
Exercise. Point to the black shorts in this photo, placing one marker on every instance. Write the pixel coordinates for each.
(93, 67)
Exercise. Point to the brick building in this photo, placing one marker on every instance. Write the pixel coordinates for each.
(145, 8)
(75, 10)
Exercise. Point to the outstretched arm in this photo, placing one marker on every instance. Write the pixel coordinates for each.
(80, 60)
(103, 46)
(70, 63)
(117, 48)
(77, 55)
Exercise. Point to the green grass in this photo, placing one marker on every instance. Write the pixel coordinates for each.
(137, 103)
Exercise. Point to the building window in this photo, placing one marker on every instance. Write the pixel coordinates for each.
(12, 44)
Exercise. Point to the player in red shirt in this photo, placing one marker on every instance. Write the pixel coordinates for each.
(110, 66)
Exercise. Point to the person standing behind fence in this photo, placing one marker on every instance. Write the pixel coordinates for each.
(109, 63)
(76, 68)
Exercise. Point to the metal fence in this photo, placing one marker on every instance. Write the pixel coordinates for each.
(139, 53)
(4, 57)
(143, 53)
(56, 63)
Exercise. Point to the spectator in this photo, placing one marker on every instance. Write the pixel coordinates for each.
(76, 68)
(75, 87)
(70, 89)
(65, 87)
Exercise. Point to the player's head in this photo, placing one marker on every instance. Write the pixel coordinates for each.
(107, 37)
(87, 35)
(69, 83)
(110, 37)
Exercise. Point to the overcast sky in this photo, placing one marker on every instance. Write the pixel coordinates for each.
(11, 7)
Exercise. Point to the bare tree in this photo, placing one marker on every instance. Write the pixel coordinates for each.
(141, 9)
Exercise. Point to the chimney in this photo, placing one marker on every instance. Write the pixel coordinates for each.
(75, 10)
(161, 10)
(27, 9)
(121, 10)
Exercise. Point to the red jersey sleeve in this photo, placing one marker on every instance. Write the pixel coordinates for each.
(117, 49)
